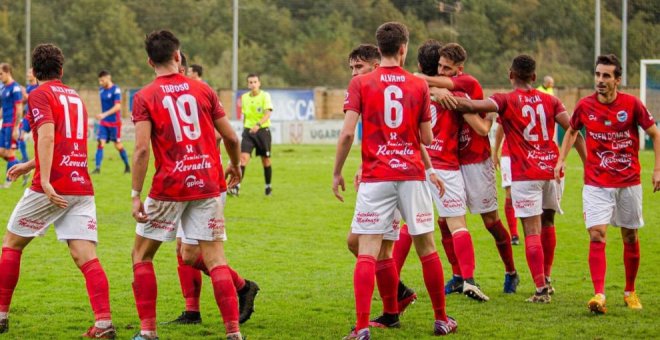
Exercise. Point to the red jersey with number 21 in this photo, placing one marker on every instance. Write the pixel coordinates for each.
(182, 112)
(528, 119)
(393, 103)
(612, 139)
(54, 102)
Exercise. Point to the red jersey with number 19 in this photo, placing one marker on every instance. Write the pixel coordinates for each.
(182, 112)
(56, 103)
(393, 103)
(528, 119)
(612, 139)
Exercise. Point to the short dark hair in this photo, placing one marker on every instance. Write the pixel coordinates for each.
(523, 67)
(428, 56)
(6, 68)
(252, 75)
(454, 52)
(184, 61)
(365, 52)
(197, 69)
(104, 73)
(610, 59)
(47, 62)
(390, 36)
(161, 45)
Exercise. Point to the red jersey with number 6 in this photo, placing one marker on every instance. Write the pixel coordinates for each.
(393, 103)
(612, 138)
(446, 126)
(528, 119)
(56, 103)
(182, 112)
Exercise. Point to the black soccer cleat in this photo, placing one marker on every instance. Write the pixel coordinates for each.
(96, 171)
(246, 300)
(186, 318)
(127, 169)
(386, 321)
(4, 326)
(268, 191)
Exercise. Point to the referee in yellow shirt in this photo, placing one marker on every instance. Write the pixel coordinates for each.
(256, 107)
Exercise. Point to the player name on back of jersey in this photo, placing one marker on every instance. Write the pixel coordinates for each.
(60, 89)
(392, 78)
(174, 88)
(529, 99)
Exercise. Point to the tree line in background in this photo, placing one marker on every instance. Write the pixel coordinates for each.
(304, 43)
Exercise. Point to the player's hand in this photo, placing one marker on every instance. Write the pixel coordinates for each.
(358, 178)
(444, 97)
(100, 116)
(254, 129)
(437, 182)
(138, 210)
(18, 170)
(234, 175)
(656, 180)
(337, 182)
(496, 161)
(53, 197)
(559, 169)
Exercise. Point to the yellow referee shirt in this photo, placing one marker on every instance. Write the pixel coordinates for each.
(254, 108)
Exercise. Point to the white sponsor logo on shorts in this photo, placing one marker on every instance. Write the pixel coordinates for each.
(614, 161)
(424, 217)
(395, 163)
(367, 217)
(192, 181)
(76, 178)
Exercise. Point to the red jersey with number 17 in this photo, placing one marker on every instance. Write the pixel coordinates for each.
(472, 148)
(182, 112)
(528, 119)
(612, 139)
(393, 103)
(56, 103)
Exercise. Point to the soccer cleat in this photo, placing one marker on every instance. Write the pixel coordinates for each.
(597, 304)
(186, 318)
(5, 185)
(96, 171)
(363, 334)
(548, 283)
(4, 326)
(139, 336)
(236, 336)
(127, 169)
(443, 328)
(471, 290)
(100, 333)
(233, 191)
(246, 300)
(386, 321)
(511, 282)
(632, 301)
(405, 298)
(268, 191)
(540, 297)
(455, 285)
(515, 240)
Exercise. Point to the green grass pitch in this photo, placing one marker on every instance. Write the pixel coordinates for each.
(293, 245)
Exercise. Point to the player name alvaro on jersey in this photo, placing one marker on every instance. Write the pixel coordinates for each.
(182, 113)
(54, 102)
(528, 119)
(393, 103)
(446, 126)
(612, 138)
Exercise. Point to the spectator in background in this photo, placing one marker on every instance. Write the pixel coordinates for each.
(548, 85)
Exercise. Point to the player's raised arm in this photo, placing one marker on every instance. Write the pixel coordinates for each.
(232, 145)
(475, 106)
(343, 148)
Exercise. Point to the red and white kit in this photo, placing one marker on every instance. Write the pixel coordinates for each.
(444, 158)
(392, 169)
(528, 120)
(612, 193)
(189, 180)
(474, 155)
(60, 105)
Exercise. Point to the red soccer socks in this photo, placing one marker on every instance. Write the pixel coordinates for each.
(191, 284)
(597, 266)
(145, 290)
(10, 267)
(434, 281)
(402, 248)
(363, 283)
(631, 262)
(511, 220)
(549, 242)
(503, 243)
(387, 279)
(534, 254)
(448, 245)
(464, 251)
(225, 297)
(97, 289)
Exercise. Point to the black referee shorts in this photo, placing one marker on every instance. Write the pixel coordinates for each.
(260, 141)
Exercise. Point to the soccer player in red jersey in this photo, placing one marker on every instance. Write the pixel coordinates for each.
(612, 192)
(177, 117)
(503, 162)
(394, 105)
(61, 191)
(528, 117)
(478, 175)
